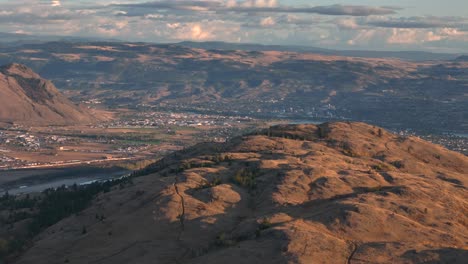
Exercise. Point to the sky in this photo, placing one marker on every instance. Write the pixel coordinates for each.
(426, 25)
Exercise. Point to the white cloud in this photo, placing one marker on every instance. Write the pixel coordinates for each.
(364, 37)
(233, 21)
(173, 25)
(403, 36)
(197, 33)
(347, 23)
(420, 36)
(56, 3)
(260, 3)
(267, 22)
(193, 31)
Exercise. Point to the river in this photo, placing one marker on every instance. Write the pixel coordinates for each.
(37, 180)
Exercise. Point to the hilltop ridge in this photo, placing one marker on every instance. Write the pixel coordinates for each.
(27, 98)
(332, 193)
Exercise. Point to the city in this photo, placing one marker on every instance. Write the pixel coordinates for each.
(133, 136)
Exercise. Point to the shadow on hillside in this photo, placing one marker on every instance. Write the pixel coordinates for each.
(439, 256)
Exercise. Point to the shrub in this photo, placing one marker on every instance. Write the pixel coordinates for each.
(246, 178)
(265, 224)
(398, 164)
(375, 189)
(3, 247)
(222, 240)
(348, 150)
(381, 167)
(380, 132)
(210, 184)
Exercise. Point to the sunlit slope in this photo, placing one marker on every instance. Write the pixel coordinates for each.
(333, 193)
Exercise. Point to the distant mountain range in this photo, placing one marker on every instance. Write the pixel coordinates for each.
(405, 55)
(17, 39)
(462, 58)
(26, 98)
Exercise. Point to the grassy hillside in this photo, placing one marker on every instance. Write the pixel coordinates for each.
(333, 193)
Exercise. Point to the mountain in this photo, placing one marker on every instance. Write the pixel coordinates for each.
(331, 193)
(462, 58)
(28, 99)
(16, 39)
(404, 55)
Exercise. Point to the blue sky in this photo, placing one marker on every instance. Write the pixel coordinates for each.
(430, 25)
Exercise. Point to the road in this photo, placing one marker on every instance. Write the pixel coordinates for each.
(66, 164)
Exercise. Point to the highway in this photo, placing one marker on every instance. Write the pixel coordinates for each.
(66, 164)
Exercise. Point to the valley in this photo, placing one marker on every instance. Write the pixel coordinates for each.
(424, 96)
(243, 142)
(233, 132)
(130, 140)
(136, 122)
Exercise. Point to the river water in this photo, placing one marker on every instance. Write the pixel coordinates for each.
(37, 180)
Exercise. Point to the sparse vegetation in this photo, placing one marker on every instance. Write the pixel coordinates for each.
(381, 167)
(246, 178)
(223, 240)
(210, 184)
(136, 165)
(399, 164)
(348, 150)
(4, 248)
(375, 188)
(263, 225)
(220, 158)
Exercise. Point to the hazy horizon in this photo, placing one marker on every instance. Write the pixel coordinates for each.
(345, 25)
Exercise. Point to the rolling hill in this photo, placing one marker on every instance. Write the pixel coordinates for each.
(331, 193)
(26, 98)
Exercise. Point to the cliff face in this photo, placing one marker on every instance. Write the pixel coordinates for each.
(333, 193)
(27, 98)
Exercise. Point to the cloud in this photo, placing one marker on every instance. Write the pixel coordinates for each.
(42, 18)
(197, 32)
(202, 30)
(349, 10)
(418, 22)
(253, 21)
(265, 6)
(56, 3)
(347, 23)
(267, 22)
(201, 5)
(366, 37)
(253, 3)
(193, 31)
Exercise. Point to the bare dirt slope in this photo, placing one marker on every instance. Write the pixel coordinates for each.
(334, 193)
(27, 98)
